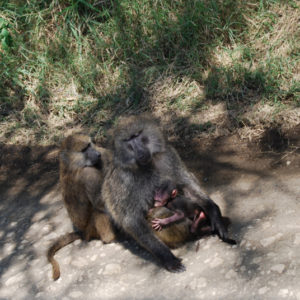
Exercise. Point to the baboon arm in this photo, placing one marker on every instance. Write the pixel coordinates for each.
(192, 190)
(178, 215)
(158, 223)
(197, 220)
(91, 179)
(143, 234)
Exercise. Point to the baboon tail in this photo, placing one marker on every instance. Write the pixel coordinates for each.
(61, 242)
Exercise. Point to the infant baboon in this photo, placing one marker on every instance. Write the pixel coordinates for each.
(141, 158)
(82, 170)
(167, 195)
(184, 220)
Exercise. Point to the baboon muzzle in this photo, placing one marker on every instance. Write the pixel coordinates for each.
(143, 157)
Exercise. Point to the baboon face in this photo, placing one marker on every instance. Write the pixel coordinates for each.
(137, 142)
(80, 149)
(92, 156)
(165, 193)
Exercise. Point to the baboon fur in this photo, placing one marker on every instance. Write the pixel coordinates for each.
(82, 169)
(141, 158)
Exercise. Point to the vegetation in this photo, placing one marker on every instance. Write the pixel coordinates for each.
(65, 63)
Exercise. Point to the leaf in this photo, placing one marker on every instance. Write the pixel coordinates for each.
(4, 33)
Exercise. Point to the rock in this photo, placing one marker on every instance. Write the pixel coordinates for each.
(273, 283)
(112, 269)
(76, 294)
(198, 283)
(217, 261)
(243, 268)
(270, 240)
(94, 257)
(230, 274)
(14, 279)
(297, 239)
(257, 260)
(283, 293)
(263, 290)
(79, 262)
(278, 268)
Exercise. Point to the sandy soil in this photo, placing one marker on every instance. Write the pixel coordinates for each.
(257, 186)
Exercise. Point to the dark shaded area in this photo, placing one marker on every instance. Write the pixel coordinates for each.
(273, 140)
(26, 175)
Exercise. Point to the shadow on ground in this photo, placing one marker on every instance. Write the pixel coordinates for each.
(26, 176)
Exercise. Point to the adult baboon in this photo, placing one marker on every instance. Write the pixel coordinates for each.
(82, 170)
(141, 158)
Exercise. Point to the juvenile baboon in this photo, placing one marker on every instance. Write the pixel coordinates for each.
(141, 158)
(82, 170)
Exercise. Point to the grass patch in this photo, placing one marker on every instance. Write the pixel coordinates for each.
(71, 62)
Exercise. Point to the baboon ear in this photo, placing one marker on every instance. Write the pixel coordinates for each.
(110, 136)
(174, 193)
(64, 157)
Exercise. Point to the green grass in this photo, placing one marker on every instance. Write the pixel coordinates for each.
(92, 60)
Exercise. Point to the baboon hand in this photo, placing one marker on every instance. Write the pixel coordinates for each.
(218, 227)
(157, 224)
(174, 265)
(216, 221)
(217, 224)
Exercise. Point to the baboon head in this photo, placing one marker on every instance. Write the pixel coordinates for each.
(166, 192)
(77, 150)
(137, 140)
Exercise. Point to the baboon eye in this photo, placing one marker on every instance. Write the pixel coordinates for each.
(84, 149)
(145, 140)
(135, 135)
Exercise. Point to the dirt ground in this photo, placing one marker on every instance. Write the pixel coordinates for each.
(256, 185)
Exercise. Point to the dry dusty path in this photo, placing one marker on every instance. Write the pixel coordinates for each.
(259, 192)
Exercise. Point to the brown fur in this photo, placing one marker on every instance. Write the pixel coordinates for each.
(81, 180)
(175, 234)
(61, 242)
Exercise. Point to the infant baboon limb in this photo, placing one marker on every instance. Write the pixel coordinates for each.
(82, 170)
(141, 157)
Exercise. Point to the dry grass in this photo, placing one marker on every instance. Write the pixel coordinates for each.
(203, 71)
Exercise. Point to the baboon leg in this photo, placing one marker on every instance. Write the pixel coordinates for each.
(104, 227)
(90, 231)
